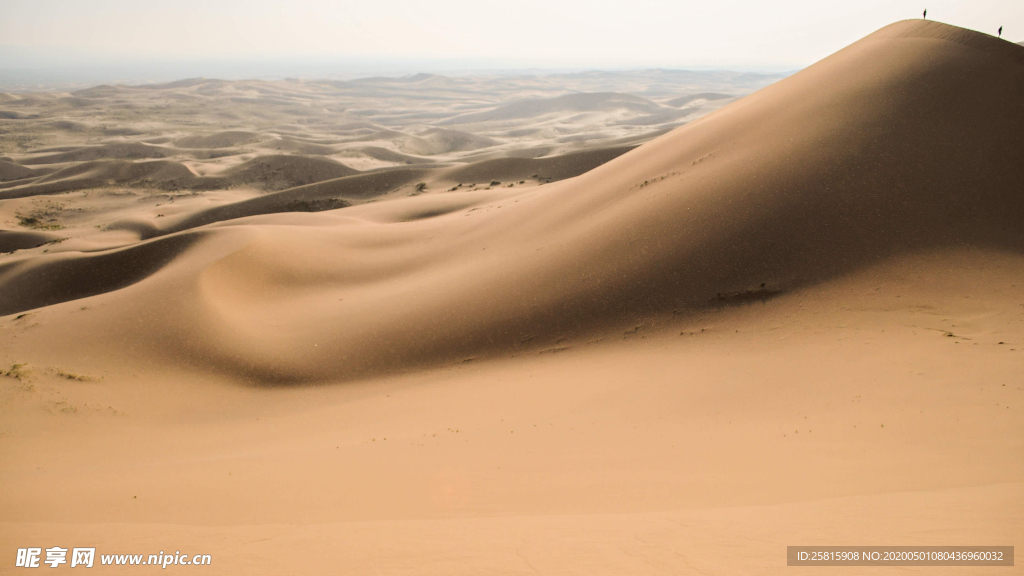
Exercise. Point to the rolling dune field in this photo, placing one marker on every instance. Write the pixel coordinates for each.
(625, 323)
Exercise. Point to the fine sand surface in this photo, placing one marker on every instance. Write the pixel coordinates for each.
(796, 320)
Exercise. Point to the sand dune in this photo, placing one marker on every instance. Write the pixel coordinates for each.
(385, 154)
(544, 169)
(98, 173)
(11, 171)
(219, 140)
(715, 208)
(317, 197)
(441, 141)
(93, 273)
(684, 100)
(839, 414)
(127, 151)
(568, 103)
(786, 319)
(12, 240)
(279, 172)
(298, 147)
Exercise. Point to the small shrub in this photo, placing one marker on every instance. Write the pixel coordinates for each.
(18, 371)
(72, 376)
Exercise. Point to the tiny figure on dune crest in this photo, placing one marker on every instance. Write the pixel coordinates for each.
(925, 15)
(1000, 31)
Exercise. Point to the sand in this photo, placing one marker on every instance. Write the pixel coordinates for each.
(795, 320)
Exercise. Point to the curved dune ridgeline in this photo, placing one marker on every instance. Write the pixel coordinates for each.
(907, 140)
(58, 278)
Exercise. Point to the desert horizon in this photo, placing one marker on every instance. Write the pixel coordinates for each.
(548, 321)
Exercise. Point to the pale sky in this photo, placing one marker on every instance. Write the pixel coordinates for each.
(541, 33)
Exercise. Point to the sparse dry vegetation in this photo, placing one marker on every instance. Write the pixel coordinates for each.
(72, 375)
(18, 372)
(42, 216)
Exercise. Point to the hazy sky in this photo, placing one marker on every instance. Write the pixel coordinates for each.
(543, 33)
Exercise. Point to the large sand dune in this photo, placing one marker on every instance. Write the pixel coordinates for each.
(810, 178)
(788, 315)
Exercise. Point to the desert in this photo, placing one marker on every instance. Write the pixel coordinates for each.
(634, 322)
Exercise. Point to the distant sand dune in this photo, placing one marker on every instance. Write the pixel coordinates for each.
(441, 141)
(219, 140)
(553, 168)
(278, 172)
(570, 102)
(271, 172)
(684, 100)
(99, 173)
(299, 147)
(380, 153)
(126, 151)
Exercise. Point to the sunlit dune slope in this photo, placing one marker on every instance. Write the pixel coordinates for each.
(909, 139)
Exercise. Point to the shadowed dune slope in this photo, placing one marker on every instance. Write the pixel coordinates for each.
(98, 173)
(11, 171)
(280, 171)
(906, 140)
(34, 284)
(551, 168)
(11, 240)
(125, 151)
(272, 172)
(329, 193)
(299, 147)
(219, 140)
(440, 141)
(379, 153)
(316, 197)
